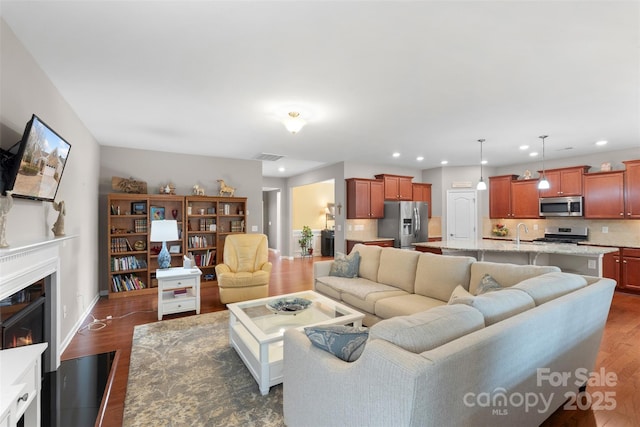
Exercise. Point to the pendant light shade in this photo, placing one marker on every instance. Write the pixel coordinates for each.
(481, 184)
(543, 184)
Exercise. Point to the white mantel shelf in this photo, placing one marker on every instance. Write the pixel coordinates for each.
(28, 245)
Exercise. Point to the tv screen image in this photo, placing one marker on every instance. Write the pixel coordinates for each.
(40, 162)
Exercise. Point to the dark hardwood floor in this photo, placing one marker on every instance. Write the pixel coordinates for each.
(619, 353)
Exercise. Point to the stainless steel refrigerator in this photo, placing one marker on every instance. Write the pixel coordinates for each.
(405, 222)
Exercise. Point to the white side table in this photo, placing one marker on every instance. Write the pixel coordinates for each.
(173, 280)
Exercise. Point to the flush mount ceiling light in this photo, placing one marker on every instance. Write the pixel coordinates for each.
(543, 184)
(293, 122)
(481, 184)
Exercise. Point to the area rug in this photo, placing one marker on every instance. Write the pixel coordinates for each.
(184, 373)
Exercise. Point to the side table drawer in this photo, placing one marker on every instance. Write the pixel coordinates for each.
(178, 283)
(180, 305)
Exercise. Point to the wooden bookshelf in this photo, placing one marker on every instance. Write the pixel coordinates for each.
(209, 220)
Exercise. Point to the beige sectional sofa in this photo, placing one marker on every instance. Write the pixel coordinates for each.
(394, 282)
(438, 355)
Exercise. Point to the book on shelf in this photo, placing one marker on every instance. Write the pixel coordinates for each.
(127, 263)
(126, 282)
(120, 244)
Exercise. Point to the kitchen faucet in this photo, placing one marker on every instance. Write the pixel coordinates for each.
(526, 230)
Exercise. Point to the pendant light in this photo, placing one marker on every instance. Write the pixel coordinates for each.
(543, 184)
(481, 184)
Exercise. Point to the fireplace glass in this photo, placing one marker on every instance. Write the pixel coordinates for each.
(22, 317)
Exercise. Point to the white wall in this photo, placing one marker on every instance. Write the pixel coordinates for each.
(24, 90)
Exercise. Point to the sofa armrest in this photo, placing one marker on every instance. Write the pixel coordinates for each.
(381, 385)
(321, 268)
(222, 268)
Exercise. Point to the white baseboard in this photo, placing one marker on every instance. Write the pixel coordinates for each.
(67, 340)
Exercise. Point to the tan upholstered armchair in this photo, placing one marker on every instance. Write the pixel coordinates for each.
(246, 269)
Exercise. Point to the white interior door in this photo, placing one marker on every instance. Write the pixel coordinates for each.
(462, 215)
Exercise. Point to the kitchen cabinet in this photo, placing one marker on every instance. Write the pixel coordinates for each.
(564, 181)
(604, 195)
(422, 193)
(397, 187)
(387, 243)
(524, 199)
(624, 267)
(632, 189)
(500, 196)
(365, 198)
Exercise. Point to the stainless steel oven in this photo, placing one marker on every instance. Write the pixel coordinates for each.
(561, 206)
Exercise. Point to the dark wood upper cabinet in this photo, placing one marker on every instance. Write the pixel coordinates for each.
(397, 187)
(604, 195)
(564, 181)
(365, 198)
(500, 196)
(632, 189)
(524, 199)
(422, 193)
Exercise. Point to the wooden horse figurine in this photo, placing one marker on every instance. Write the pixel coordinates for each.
(225, 189)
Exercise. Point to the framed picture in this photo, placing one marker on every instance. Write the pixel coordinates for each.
(174, 249)
(138, 208)
(157, 212)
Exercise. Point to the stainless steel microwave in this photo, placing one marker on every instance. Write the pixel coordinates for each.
(561, 206)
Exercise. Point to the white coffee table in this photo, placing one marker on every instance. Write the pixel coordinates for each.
(256, 332)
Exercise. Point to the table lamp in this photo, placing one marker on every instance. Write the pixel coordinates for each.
(163, 231)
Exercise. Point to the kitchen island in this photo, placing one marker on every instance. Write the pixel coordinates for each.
(573, 258)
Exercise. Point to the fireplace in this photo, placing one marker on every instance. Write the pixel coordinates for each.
(22, 317)
(30, 297)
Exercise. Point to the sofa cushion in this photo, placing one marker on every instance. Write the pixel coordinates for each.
(345, 265)
(368, 304)
(369, 260)
(487, 284)
(551, 285)
(403, 305)
(345, 342)
(460, 296)
(495, 306)
(429, 329)
(398, 268)
(505, 274)
(438, 275)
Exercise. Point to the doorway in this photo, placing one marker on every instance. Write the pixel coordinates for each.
(462, 215)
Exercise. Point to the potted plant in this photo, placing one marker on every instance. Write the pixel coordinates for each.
(306, 236)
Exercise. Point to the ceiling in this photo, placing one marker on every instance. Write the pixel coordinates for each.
(421, 78)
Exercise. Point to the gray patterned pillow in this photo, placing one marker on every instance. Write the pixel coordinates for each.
(488, 284)
(345, 342)
(345, 265)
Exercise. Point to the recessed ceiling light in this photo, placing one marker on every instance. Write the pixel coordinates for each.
(484, 162)
(602, 142)
(419, 158)
(444, 162)
(281, 169)
(524, 147)
(533, 153)
(396, 154)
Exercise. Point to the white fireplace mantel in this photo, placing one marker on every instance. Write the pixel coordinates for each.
(23, 264)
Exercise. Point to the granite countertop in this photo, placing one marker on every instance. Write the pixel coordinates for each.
(525, 247)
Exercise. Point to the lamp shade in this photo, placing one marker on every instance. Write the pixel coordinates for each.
(164, 230)
(294, 122)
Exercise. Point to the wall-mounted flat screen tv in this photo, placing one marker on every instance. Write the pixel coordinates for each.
(37, 162)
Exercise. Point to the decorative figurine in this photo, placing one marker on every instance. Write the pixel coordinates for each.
(198, 191)
(128, 185)
(58, 226)
(6, 203)
(168, 189)
(527, 174)
(225, 189)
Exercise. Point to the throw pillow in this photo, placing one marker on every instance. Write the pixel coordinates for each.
(345, 265)
(345, 342)
(461, 296)
(487, 284)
